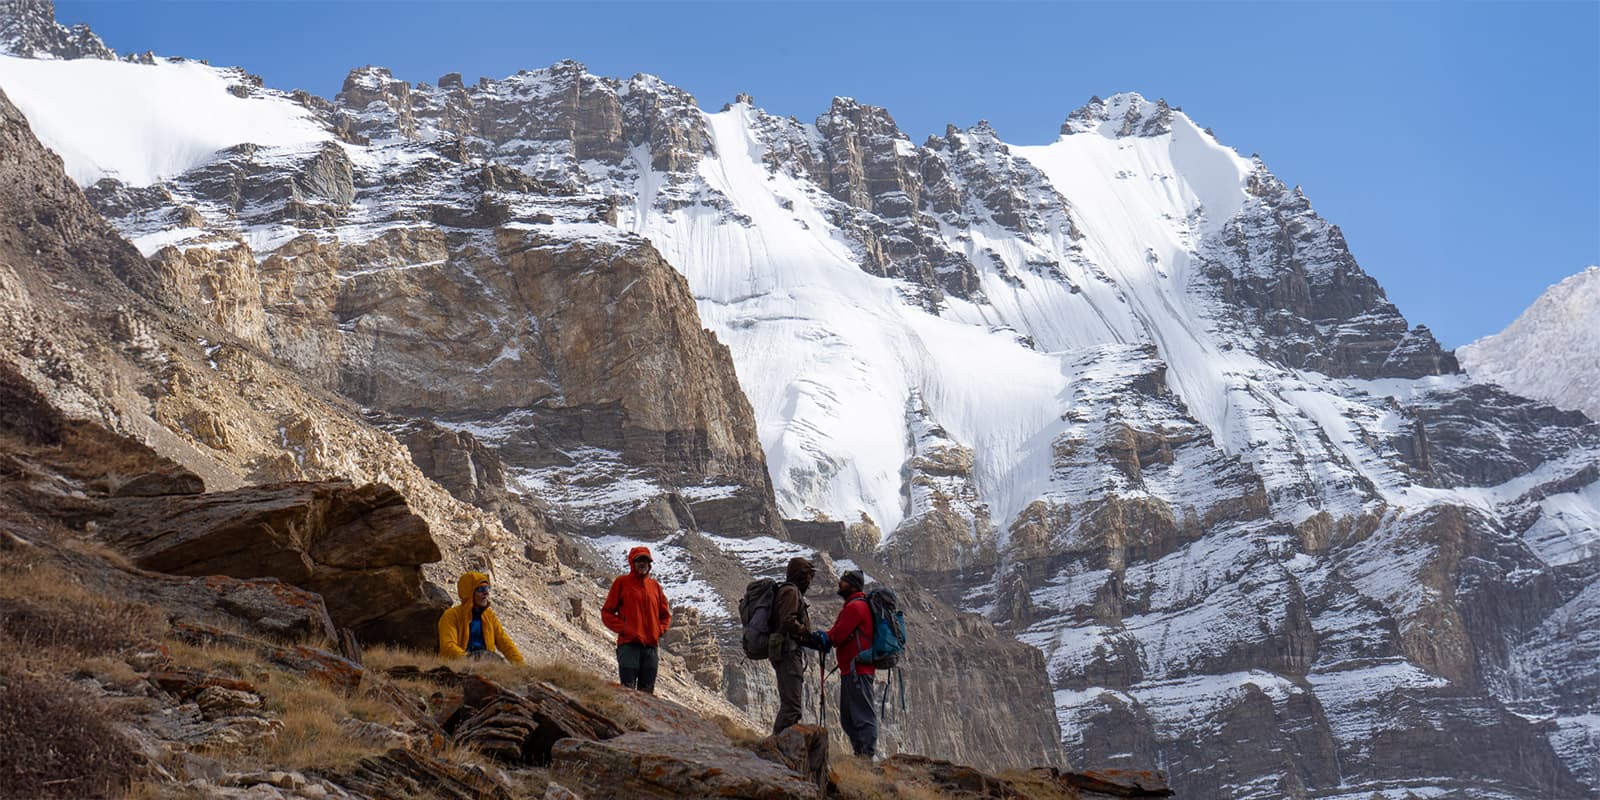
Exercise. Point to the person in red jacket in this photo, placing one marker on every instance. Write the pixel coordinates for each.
(636, 609)
(851, 634)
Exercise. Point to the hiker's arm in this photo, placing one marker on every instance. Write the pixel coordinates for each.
(502, 641)
(787, 608)
(448, 646)
(609, 610)
(666, 609)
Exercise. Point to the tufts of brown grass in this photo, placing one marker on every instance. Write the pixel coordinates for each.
(235, 662)
(739, 733)
(47, 615)
(312, 713)
(857, 779)
(57, 743)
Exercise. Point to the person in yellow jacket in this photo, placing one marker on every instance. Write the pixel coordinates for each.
(471, 629)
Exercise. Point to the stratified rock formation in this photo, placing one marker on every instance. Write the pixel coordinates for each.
(532, 360)
(1125, 397)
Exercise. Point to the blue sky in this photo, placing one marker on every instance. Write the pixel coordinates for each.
(1457, 144)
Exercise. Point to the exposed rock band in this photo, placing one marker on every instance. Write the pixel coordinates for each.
(636, 609)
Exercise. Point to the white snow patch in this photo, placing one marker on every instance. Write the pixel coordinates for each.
(143, 123)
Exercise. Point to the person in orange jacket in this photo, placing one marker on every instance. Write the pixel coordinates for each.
(471, 629)
(636, 609)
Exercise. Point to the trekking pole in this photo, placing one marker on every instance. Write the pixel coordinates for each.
(822, 691)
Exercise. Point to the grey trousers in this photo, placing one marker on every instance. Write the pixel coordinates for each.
(790, 667)
(856, 714)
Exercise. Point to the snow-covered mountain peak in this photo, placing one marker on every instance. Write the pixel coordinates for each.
(1552, 351)
(368, 78)
(28, 28)
(1123, 114)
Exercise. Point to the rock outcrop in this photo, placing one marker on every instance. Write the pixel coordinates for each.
(1125, 395)
(28, 28)
(359, 547)
(1301, 300)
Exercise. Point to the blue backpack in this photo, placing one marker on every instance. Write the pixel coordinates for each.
(888, 630)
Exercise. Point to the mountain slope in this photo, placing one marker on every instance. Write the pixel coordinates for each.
(1125, 393)
(1548, 352)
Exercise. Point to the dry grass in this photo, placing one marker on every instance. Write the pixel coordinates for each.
(57, 743)
(739, 733)
(235, 662)
(858, 780)
(48, 616)
(310, 710)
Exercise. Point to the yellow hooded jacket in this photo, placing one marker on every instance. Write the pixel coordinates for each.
(455, 624)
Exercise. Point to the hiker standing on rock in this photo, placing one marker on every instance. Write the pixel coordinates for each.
(791, 630)
(637, 610)
(850, 636)
(471, 629)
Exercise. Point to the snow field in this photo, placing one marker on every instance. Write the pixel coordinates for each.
(143, 123)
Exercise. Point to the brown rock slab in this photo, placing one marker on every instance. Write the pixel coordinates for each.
(959, 779)
(660, 765)
(521, 728)
(802, 748)
(659, 715)
(1116, 782)
(186, 683)
(331, 668)
(407, 773)
(360, 547)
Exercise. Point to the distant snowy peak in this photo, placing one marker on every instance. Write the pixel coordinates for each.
(1125, 114)
(1552, 351)
(28, 28)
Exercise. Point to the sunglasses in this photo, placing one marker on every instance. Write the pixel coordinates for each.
(481, 590)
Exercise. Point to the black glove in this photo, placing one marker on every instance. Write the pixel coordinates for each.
(819, 642)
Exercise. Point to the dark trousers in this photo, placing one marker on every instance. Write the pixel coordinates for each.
(790, 667)
(637, 665)
(856, 714)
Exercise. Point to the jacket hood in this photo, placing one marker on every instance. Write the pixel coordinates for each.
(800, 571)
(641, 550)
(467, 582)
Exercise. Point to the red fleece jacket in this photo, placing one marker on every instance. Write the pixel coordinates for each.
(636, 608)
(852, 633)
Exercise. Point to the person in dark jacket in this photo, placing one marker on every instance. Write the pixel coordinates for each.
(850, 635)
(791, 630)
(637, 611)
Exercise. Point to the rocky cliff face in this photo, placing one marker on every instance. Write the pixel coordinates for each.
(532, 360)
(1125, 395)
(1304, 301)
(83, 352)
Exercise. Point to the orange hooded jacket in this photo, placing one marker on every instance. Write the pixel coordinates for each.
(455, 624)
(636, 608)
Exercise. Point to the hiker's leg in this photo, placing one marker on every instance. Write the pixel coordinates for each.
(868, 721)
(789, 668)
(628, 665)
(857, 714)
(649, 664)
(847, 718)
